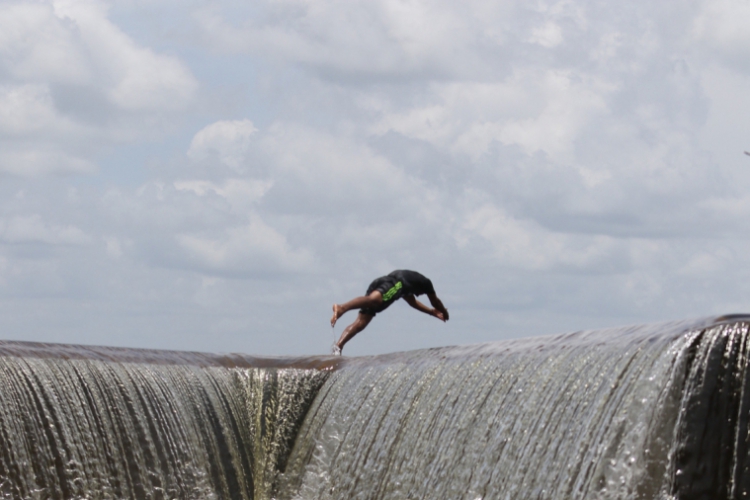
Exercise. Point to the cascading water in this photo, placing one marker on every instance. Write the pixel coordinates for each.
(567, 417)
(653, 412)
(103, 423)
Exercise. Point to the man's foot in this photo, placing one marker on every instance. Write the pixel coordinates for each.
(336, 350)
(336, 314)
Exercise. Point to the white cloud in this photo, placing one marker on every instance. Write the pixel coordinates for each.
(539, 111)
(73, 42)
(113, 246)
(525, 244)
(73, 84)
(25, 109)
(722, 25)
(28, 109)
(230, 140)
(253, 247)
(36, 45)
(702, 263)
(37, 160)
(33, 135)
(237, 191)
(548, 35)
(32, 229)
(136, 77)
(337, 169)
(355, 37)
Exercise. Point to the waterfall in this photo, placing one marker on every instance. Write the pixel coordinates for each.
(102, 423)
(643, 413)
(647, 412)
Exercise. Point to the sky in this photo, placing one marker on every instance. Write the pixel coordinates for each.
(212, 176)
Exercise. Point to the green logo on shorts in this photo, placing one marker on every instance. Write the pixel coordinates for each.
(393, 291)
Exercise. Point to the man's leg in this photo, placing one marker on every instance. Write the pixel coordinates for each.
(368, 301)
(350, 331)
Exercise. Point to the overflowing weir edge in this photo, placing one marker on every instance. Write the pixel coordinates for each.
(46, 350)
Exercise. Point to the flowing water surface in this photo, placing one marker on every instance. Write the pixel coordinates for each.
(649, 412)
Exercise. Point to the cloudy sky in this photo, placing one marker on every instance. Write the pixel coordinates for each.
(214, 175)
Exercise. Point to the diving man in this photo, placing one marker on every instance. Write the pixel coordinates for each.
(383, 292)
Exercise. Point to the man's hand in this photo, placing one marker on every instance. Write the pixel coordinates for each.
(438, 310)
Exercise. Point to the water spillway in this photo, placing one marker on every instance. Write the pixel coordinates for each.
(104, 423)
(648, 412)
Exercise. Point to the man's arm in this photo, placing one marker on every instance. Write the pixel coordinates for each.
(440, 312)
(438, 304)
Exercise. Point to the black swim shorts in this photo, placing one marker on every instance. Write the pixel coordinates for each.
(390, 288)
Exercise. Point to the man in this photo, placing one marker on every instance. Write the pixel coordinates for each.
(383, 292)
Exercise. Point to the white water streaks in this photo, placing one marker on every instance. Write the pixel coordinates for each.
(650, 412)
(586, 415)
(126, 424)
